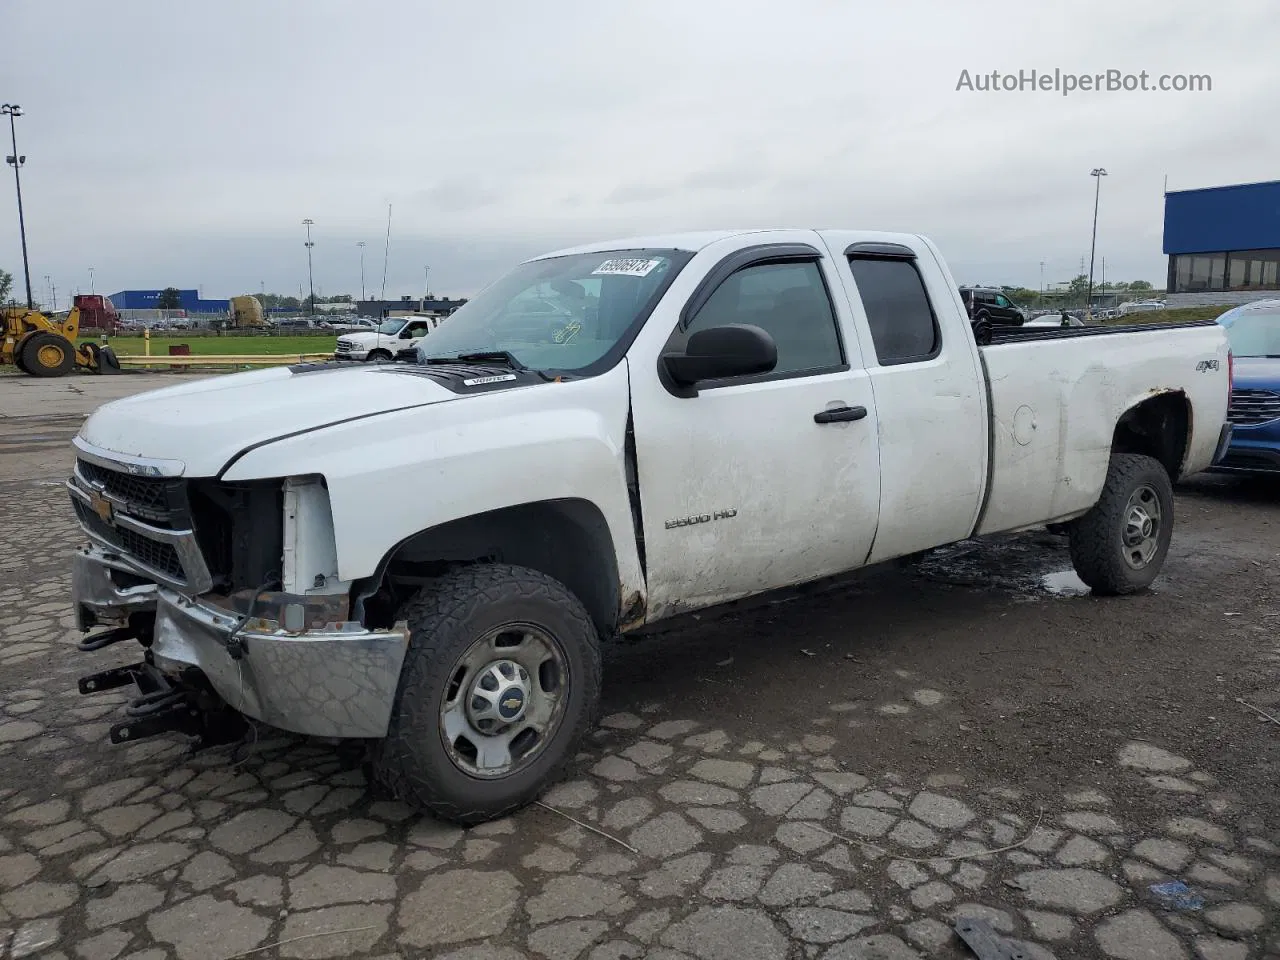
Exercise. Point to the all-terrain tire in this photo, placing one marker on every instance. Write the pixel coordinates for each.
(1098, 550)
(445, 618)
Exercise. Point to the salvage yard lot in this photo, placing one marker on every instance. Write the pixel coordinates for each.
(833, 775)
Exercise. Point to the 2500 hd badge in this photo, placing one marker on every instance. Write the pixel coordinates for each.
(701, 518)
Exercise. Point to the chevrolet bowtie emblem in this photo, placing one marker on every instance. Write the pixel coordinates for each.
(512, 704)
(101, 506)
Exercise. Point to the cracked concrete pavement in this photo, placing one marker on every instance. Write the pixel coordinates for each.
(836, 775)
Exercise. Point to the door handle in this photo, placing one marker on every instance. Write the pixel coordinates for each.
(840, 414)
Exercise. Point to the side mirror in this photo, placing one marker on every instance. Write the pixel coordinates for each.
(733, 350)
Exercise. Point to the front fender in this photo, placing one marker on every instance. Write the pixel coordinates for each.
(392, 475)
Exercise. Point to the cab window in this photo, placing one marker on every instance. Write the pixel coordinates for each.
(789, 301)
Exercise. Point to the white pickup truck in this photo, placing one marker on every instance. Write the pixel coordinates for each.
(385, 341)
(698, 418)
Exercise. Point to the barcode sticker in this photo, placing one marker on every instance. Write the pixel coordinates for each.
(629, 267)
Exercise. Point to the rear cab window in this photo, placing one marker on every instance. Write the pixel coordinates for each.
(903, 324)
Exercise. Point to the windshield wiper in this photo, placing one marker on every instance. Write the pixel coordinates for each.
(488, 356)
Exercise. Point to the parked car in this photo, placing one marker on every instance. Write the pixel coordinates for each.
(385, 341)
(1253, 330)
(1062, 319)
(354, 325)
(1140, 306)
(993, 306)
(738, 412)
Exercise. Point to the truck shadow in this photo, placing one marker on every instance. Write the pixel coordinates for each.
(1228, 488)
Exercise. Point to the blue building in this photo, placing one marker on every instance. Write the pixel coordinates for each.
(1223, 244)
(189, 300)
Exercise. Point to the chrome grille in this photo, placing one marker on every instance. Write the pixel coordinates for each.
(1249, 408)
(146, 519)
(161, 557)
(345, 346)
(150, 498)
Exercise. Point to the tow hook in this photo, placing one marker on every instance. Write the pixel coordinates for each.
(106, 639)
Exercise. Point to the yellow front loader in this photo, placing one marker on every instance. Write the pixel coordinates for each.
(43, 347)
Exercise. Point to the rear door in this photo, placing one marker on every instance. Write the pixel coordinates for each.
(1006, 311)
(754, 483)
(929, 391)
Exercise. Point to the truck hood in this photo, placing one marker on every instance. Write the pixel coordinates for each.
(1257, 373)
(367, 337)
(205, 423)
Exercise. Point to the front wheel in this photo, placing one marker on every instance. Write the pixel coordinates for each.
(377, 356)
(500, 683)
(46, 354)
(1119, 546)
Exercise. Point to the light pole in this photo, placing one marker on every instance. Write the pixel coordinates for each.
(310, 278)
(360, 244)
(12, 110)
(1042, 283)
(1097, 173)
(91, 281)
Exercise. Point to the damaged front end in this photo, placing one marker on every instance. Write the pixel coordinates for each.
(232, 592)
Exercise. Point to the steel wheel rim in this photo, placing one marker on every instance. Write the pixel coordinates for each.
(1141, 525)
(486, 734)
(49, 355)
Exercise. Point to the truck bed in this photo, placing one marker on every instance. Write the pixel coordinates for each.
(1003, 334)
(1054, 409)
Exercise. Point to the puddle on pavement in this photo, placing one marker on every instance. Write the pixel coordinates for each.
(1064, 583)
(1031, 566)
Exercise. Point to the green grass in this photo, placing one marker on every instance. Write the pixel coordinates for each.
(224, 346)
(1180, 315)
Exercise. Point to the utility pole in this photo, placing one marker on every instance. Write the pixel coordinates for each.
(1097, 173)
(91, 289)
(12, 110)
(310, 276)
(1041, 280)
(360, 244)
(386, 255)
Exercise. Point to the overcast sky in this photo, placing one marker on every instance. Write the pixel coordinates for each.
(181, 143)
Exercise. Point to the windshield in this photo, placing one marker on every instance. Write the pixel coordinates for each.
(564, 313)
(391, 327)
(1255, 333)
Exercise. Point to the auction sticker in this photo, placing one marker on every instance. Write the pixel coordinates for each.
(628, 267)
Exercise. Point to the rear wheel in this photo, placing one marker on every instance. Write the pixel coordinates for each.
(500, 683)
(47, 355)
(1120, 545)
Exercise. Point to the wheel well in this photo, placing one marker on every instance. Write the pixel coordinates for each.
(1158, 427)
(565, 539)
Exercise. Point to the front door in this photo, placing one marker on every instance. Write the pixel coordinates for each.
(742, 490)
